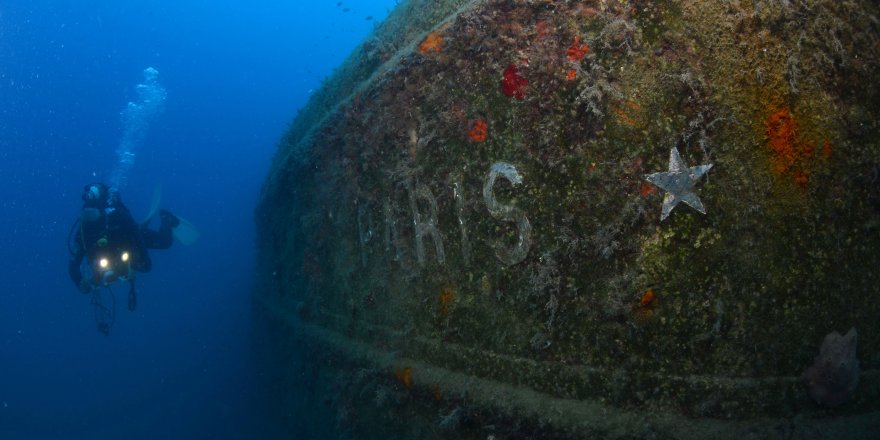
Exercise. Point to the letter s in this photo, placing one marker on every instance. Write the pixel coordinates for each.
(509, 213)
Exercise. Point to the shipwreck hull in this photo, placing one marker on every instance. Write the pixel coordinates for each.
(471, 229)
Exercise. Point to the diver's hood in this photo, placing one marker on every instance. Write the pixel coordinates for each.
(90, 215)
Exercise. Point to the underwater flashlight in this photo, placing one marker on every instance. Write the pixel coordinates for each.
(103, 263)
(124, 257)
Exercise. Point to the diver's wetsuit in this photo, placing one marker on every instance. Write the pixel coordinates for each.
(107, 227)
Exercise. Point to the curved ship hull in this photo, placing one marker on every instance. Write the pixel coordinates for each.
(529, 219)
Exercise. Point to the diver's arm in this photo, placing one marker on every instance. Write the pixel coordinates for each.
(73, 266)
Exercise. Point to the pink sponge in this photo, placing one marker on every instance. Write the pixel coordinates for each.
(834, 375)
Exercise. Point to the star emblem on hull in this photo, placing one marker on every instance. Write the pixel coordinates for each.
(678, 183)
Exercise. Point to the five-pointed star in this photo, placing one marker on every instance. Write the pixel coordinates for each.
(679, 183)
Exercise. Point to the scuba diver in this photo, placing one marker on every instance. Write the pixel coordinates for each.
(113, 245)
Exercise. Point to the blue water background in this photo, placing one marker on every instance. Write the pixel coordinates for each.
(235, 72)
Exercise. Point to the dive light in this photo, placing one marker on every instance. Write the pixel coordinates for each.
(111, 269)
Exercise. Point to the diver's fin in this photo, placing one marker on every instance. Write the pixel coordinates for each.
(185, 232)
(154, 205)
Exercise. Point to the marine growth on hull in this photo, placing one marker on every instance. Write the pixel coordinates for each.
(560, 219)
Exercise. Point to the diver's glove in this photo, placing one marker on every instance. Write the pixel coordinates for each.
(85, 286)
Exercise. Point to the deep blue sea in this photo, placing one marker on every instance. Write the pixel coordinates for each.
(234, 73)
